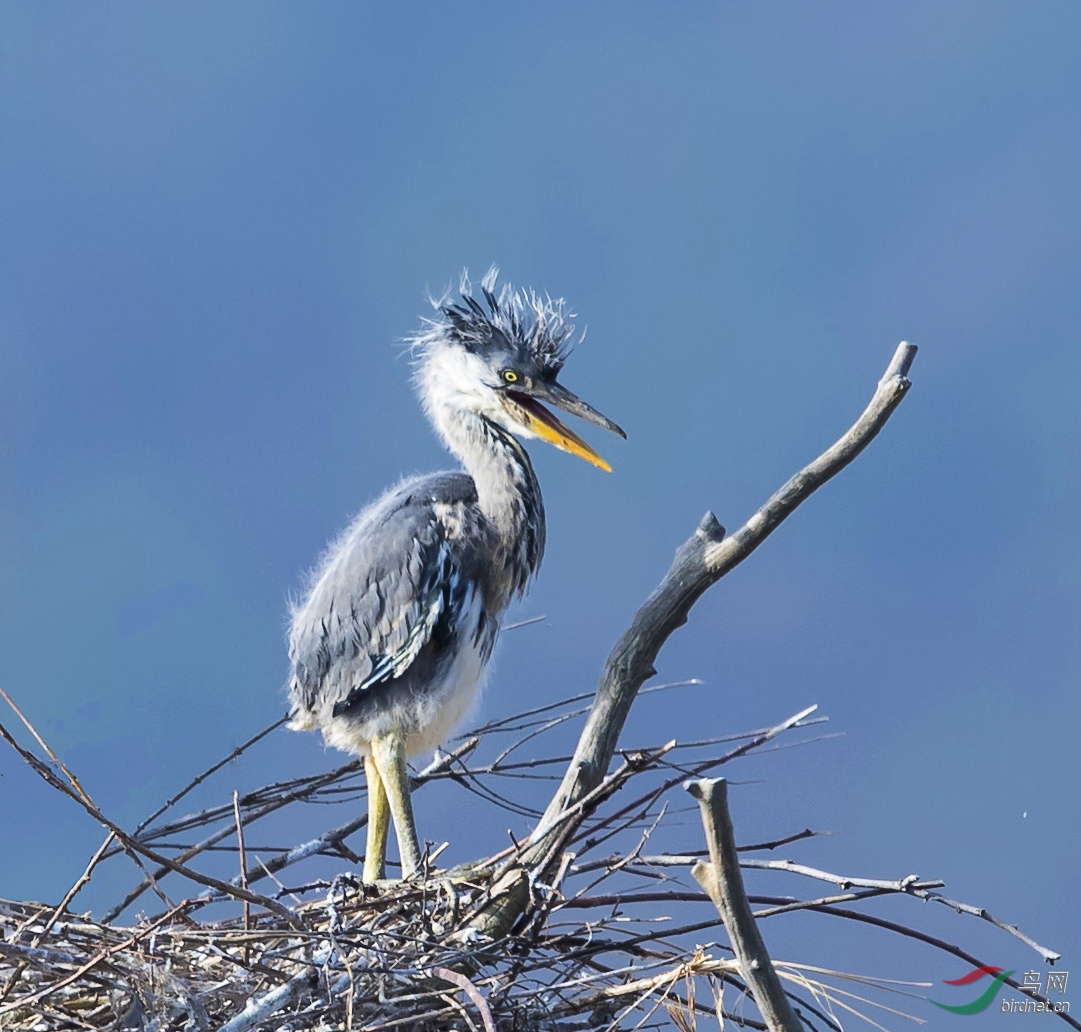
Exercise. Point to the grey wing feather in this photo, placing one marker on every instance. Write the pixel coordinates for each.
(391, 584)
(391, 658)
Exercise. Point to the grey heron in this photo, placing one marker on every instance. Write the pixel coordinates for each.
(391, 640)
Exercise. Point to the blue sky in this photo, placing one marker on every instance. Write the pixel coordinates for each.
(217, 222)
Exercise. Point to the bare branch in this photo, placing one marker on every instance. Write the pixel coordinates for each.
(1050, 956)
(687, 859)
(721, 878)
(474, 994)
(336, 836)
(700, 562)
(243, 856)
(76, 792)
(58, 910)
(199, 779)
(329, 839)
(842, 881)
(941, 944)
(256, 1010)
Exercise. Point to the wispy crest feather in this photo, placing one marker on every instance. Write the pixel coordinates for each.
(540, 324)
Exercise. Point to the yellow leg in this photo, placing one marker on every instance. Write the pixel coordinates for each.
(375, 852)
(388, 754)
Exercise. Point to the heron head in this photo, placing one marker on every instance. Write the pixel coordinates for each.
(500, 358)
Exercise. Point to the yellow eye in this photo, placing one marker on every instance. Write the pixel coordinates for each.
(510, 376)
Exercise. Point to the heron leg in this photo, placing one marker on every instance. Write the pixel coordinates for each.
(375, 852)
(388, 752)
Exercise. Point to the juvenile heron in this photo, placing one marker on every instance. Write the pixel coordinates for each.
(391, 641)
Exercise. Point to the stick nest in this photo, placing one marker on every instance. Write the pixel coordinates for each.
(598, 934)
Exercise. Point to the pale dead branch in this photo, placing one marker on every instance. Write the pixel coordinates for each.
(723, 883)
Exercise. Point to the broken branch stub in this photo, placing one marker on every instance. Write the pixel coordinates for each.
(723, 883)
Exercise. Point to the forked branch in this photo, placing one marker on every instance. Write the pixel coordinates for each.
(702, 560)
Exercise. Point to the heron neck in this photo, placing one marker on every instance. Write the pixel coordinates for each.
(507, 490)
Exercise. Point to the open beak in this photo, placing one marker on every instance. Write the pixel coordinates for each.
(546, 426)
